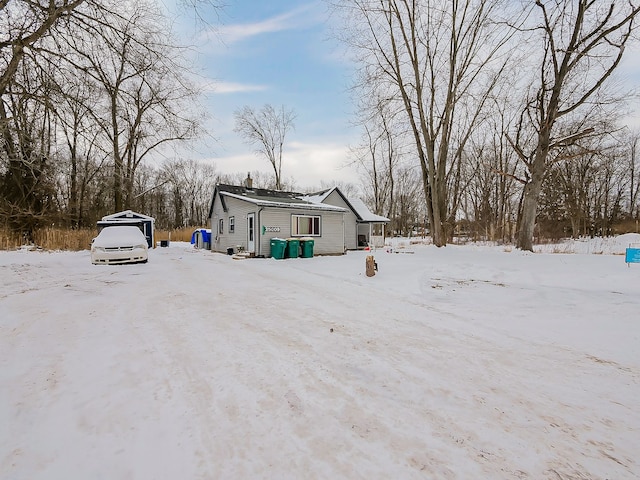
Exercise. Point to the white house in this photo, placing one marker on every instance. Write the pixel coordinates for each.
(246, 218)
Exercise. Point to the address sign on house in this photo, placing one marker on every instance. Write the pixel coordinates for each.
(271, 229)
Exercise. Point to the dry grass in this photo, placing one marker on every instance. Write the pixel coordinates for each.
(627, 226)
(64, 239)
(77, 239)
(9, 240)
(50, 239)
(180, 235)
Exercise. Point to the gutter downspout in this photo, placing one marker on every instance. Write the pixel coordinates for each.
(259, 230)
(344, 239)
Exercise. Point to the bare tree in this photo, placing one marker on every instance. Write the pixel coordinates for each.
(25, 114)
(377, 177)
(408, 203)
(191, 183)
(380, 153)
(350, 190)
(440, 60)
(633, 169)
(27, 175)
(490, 176)
(266, 129)
(490, 199)
(147, 100)
(26, 22)
(57, 105)
(81, 150)
(583, 43)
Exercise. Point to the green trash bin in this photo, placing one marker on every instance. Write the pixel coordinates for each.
(293, 247)
(306, 244)
(278, 246)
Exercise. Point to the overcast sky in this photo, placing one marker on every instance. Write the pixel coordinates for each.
(281, 52)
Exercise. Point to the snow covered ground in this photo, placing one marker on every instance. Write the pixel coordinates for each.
(465, 362)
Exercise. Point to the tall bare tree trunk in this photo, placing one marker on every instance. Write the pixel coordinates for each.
(573, 34)
(438, 63)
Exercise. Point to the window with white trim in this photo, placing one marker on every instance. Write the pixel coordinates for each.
(305, 225)
(232, 224)
(220, 224)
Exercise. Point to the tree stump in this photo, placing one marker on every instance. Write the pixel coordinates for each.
(371, 266)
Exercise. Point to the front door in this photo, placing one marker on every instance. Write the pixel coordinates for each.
(251, 233)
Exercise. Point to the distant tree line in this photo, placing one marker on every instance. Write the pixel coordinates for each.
(179, 194)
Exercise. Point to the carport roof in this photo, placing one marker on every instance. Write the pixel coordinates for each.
(127, 215)
(365, 214)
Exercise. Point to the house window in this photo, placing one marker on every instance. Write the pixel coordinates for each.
(232, 224)
(220, 224)
(305, 225)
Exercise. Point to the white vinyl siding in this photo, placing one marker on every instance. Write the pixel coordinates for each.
(350, 220)
(332, 240)
(237, 210)
(272, 222)
(278, 221)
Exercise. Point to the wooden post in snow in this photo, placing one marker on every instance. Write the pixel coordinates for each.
(370, 266)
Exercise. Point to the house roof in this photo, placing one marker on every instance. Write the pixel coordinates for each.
(287, 203)
(320, 197)
(356, 205)
(260, 193)
(313, 201)
(364, 213)
(270, 198)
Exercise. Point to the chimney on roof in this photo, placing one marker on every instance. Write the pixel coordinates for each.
(249, 181)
